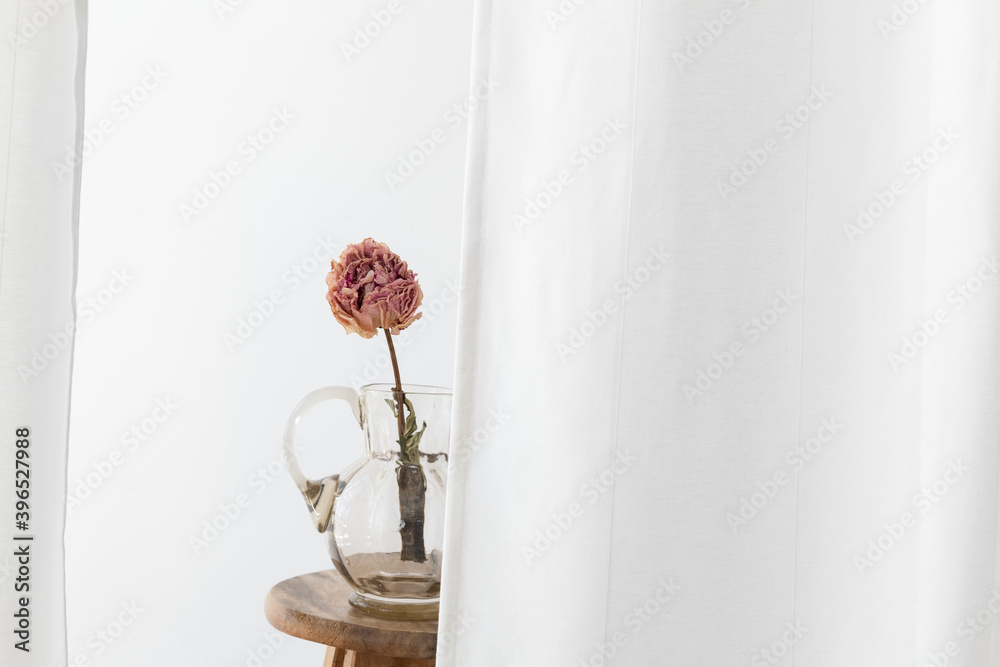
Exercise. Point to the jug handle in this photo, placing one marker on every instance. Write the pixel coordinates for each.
(319, 494)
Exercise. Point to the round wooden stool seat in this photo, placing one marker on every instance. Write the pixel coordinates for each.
(315, 607)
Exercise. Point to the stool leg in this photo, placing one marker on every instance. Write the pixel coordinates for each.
(334, 657)
(355, 659)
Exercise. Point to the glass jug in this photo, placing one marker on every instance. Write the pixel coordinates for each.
(384, 516)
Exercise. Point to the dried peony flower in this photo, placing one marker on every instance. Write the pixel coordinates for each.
(371, 288)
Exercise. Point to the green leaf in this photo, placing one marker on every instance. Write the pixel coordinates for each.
(410, 443)
(415, 440)
(411, 419)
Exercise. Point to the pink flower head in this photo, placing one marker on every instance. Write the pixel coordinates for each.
(371, 288)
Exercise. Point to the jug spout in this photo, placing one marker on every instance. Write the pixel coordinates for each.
(320, 497)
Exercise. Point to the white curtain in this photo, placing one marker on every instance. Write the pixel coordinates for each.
(41, 65)
(728, 378)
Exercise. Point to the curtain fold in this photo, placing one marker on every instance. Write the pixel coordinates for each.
(731, 279)
(41, 113)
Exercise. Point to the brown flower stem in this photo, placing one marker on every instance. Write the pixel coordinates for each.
(411, 480)
(412, 494)
(399, 388)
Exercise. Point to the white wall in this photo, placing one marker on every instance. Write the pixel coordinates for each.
(160, 290)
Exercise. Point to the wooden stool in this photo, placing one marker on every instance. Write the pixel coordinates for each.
(315, 607)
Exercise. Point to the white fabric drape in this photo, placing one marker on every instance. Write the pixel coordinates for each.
(41, 65)
(728, 380)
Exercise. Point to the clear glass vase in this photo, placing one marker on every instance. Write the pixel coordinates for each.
(384, 516)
